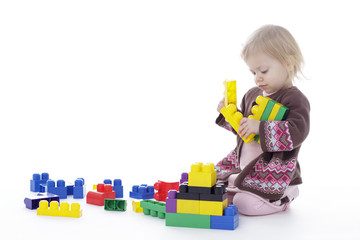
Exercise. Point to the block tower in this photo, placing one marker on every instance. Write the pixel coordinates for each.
(200, 202)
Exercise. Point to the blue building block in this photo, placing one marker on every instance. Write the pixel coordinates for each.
(59, 190)
(118, 188)
(79, 189)
(37, 180)
(142, 192)
(108, 181)
(229, 221)
(33, 202)
(70, 189)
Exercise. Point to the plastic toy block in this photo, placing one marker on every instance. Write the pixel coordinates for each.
(37, 180)
(200, 190)
(212, 207)
(267, 111)
(233, 117)
(229, 221)
(274, 111)
(98, 198)
(184, 177)
(115, 205)
(136, 207)
(54, 210)
(59, 190)
(108, 181)
(118, 188)
(33, 202)
(153, 208)
(171, 201)
(258, 110)
(142, 192)
(188, 206)
(230, 92)
(202, 175)
(163, 189)
(79, 189)
(43, 187)
(184, 193)
(94, 186)
(218, 194)
(69, 189)
(187, 220)
(283, 111)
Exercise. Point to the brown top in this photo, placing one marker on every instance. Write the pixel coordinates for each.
(269, 174)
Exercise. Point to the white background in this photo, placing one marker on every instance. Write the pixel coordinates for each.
(115, 89)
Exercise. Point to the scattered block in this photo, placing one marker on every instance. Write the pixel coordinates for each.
(63, 211)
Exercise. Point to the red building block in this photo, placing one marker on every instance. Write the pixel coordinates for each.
(104, 191)
(163, 189)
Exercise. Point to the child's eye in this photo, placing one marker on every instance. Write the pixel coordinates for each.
(263, 72)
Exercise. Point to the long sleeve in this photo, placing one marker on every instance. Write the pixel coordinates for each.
(279, 136)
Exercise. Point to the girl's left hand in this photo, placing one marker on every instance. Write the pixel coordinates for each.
(248, 126)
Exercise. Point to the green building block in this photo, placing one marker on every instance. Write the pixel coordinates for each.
(283, 111)
(187, 220)
(153, 208)
(267, 110)
(115, 205)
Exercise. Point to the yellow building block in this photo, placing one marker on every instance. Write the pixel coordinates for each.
(54, 210)
(230, 92)
(202, 175)
(136, 207)
(188, 206)
(213, 207)
(258, 110)
(233, 117)
(274, 111)
(94, 186)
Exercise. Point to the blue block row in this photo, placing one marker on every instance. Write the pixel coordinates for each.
(142, 192)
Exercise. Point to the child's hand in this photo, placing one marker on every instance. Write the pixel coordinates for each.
(248, 126)
(221, 105)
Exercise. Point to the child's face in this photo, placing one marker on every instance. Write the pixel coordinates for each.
(269, 74)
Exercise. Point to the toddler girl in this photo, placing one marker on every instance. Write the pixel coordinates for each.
(263, 177)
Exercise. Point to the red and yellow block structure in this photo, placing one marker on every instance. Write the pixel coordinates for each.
(266, 109)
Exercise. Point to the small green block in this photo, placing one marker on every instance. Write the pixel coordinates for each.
(115, 205)
(187, 220)
(153, 208)
(268, 110)
(283, 111)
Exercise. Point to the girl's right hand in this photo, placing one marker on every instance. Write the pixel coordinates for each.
(221, 105)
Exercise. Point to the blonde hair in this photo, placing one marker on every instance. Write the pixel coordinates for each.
(278, 43)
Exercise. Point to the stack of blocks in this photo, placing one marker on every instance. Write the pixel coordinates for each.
(201, 203)
(266, 110)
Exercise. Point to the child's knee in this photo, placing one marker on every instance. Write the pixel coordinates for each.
(252, 205)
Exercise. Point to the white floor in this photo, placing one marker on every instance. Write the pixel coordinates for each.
(308, 218)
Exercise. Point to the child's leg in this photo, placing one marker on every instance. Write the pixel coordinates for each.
(252, 205)
(227, 166)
